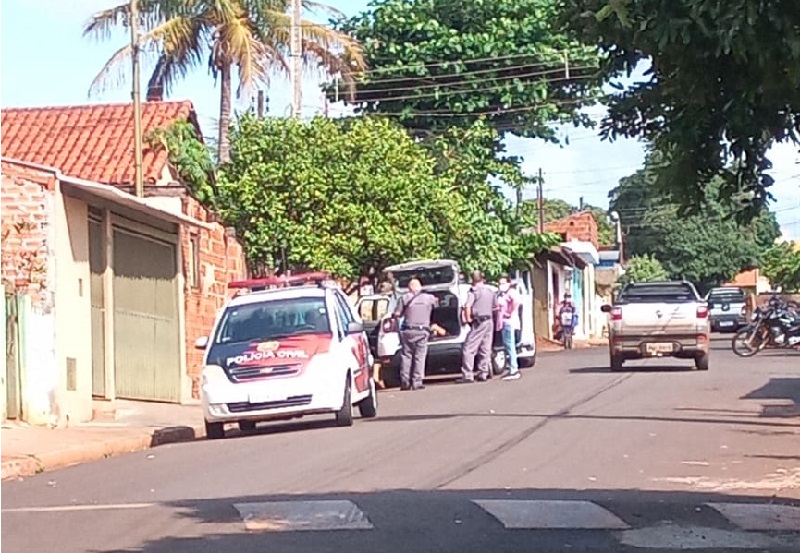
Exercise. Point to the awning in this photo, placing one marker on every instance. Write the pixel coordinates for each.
(585, 250)
(563, 256)
(74, 187)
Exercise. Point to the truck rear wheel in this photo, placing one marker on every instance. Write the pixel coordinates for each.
(701, 362)
(615, 362)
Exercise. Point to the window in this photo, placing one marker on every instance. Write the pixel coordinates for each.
(273, 319)
(428, 276)
(193, 275)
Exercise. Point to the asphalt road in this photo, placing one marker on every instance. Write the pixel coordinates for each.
(569, 458)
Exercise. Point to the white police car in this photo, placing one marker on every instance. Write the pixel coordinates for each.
(287, 348)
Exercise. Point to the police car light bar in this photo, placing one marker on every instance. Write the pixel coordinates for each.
(256, 284)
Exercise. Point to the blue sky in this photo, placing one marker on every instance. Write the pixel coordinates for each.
(46, 61)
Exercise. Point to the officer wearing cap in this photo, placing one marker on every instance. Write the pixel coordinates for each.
(478, 313)
(416, 308)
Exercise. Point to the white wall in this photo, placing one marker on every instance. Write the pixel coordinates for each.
(73, 320)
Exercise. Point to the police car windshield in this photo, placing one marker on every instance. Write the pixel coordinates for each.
(273, 319)
(430, 276)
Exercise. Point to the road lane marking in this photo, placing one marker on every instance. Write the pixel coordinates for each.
(551, 514)
(67, 508)
(760, 517)
(294, 516)
(673, 536)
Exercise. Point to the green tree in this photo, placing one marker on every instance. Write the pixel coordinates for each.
(556, 208)
(708, 247)
(781, 265)
(435, 64)
(643, 269)
(351, 196)
(250, 36)
(722, 87)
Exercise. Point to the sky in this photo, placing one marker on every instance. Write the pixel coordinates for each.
(45, 60)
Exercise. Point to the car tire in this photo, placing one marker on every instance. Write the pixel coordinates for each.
(499, 362)
(701, 362)
(215, 430)
(368, 407)
(615, 362)
(247, 426)
(390, 376)
(344, 416)
(527, 362)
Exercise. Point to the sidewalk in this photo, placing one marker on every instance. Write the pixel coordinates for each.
(120, 427)
(544, 344)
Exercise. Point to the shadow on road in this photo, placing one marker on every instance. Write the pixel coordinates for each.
(442, 521)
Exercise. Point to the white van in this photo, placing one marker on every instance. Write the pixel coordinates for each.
(442, 278)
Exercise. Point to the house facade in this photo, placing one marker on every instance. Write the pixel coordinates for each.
(570, 267)
(158, 266)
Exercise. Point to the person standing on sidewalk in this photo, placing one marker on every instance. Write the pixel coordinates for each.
(568, 319)
(416, 308)
(508, 323)
(479, 314)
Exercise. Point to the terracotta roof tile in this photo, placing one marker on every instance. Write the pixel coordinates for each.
(92, 142)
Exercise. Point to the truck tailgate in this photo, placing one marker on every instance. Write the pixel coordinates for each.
(656, 319)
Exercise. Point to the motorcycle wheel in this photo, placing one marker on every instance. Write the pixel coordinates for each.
(747, 342)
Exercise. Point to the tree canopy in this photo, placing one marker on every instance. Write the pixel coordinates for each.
(433, 65)
(723, 86)
(781, 265)
(643, 269)
(353, 195)
(708, 247)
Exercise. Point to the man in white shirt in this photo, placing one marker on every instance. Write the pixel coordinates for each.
(508, 322)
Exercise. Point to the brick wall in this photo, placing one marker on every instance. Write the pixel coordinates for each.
(27, 203)
(221, 259)
(578, 226)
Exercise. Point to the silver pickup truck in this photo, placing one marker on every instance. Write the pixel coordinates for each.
(658, 319)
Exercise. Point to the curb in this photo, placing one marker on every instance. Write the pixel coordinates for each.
(30, 465)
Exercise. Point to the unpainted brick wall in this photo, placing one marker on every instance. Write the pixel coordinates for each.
(221, 261)
(578, 226)
(27, 200)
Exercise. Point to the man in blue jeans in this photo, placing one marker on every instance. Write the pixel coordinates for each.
(508, 302)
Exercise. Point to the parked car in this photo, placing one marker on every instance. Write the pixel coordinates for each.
(286, 348)
(726, 309)
(440, 277)
(658, 319)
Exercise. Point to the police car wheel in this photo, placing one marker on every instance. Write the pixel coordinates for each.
(499, 362)
(344, 416)
(368, 407)
(215, 430)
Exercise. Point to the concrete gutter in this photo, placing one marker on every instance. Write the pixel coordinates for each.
(29, 465)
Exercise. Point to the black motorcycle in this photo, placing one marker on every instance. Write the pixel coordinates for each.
(774, 325)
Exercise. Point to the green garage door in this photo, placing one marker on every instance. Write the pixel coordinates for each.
(146, 331)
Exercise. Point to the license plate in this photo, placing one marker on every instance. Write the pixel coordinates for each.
(726, 323)
(659, 347)
(263, 397)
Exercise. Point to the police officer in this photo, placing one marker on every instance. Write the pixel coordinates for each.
(416, 307)
(479, 314)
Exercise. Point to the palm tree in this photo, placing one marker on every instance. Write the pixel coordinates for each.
(251, 36)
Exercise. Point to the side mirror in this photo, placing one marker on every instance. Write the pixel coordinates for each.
(201, 342)
(606, 309)
(355, 328)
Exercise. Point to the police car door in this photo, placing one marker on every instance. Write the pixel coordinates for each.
(355, 346)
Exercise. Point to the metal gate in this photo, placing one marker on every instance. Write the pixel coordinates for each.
(97, 266)
(146, 330)
(15, 349)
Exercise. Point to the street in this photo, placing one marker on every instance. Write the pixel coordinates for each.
(646, 459)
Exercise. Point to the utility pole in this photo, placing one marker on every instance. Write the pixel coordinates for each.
(260, 104)
(138, 183)
(296, 65)
(540, 201)
(566, 64)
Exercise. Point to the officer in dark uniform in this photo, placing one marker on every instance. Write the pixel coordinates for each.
(479, 314)
(416, 307)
